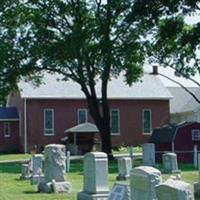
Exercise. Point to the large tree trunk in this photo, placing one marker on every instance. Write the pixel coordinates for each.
(104, 129)
(101, 117)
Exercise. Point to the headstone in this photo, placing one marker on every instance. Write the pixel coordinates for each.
(25, 172)
(37, 174)
(170, 163)
(174, 190)
(54, 163)
(67, 161)
(119, 192)
(143, 181)
(95, 177)
(148, 154)
(124, 168)
(54, 168)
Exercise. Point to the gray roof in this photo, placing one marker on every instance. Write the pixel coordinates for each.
(182, 101)
(149, 87)
(83, 128)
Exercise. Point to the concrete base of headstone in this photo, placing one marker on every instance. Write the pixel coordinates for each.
(45, 187)
(89, 196)
(54, 187)
(25, 177)
(36, 179)
(197, 189)
(61, 187)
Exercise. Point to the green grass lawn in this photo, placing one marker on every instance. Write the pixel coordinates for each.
(12, 188)
(125, 150)
(8, 157)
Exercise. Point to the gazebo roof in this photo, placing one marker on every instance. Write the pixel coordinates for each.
(83, 128)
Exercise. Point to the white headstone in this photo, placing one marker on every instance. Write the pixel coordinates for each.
(37, 174)
(54, 169)
(124, 168)
(25, 172)
(174, 190)
(37, 164)
(148, 154)
(170, 163)
(119, 192)
(54, 162)
(95, 177)
(143, 181)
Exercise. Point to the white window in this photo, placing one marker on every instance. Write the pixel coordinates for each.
(6, 129)
(82, 116)
(195, 134)
(147, 122)
(48, 122)
(115, 121)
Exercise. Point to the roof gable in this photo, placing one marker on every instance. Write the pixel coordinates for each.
(182, 101)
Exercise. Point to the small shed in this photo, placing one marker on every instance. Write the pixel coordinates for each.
(82, 138)
(178, 138)
(9, 129)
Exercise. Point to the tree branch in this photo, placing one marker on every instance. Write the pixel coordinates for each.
(187, 90)
(185, 76)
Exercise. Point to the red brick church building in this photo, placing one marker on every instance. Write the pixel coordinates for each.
(36, 116)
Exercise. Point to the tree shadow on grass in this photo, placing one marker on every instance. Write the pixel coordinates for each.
(12, 168)
(31, 192)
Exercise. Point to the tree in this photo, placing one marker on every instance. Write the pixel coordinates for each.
(84, 40)
(174, 43)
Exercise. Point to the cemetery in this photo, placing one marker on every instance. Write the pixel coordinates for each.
(54, 175)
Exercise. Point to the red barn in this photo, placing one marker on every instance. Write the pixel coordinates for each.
(180, 139)
(45, 112)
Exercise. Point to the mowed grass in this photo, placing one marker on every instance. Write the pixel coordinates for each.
(12, 188)
(10, 157)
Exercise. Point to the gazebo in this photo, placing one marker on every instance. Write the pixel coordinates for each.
(81, 138)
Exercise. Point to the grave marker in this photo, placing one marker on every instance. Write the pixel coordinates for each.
(124, 168)
(170, 163)
(119, 192)
(143, 181)
(95, 177)
(148, 154)
(174, 190)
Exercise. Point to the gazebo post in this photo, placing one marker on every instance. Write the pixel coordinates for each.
(74, 138)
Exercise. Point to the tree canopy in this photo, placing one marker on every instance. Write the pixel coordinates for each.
(84, 40)
(94, 40)
(175, 42)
